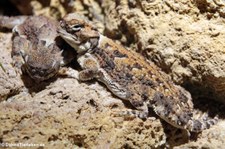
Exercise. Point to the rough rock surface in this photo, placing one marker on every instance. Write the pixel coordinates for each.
(213, 138)
(9, 81)
(71, 114)
(178, 36)
(185, 38)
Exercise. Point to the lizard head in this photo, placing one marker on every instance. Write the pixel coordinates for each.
(42, 62)
(78, 32)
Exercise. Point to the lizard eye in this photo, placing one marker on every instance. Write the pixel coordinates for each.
(77, 27)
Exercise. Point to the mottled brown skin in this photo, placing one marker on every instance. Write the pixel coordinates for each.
(129, 76)
(34, 49)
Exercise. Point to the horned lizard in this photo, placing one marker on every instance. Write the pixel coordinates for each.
(129, 76)
(35, 50)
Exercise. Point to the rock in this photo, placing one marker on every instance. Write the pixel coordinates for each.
(213, 138)
(10, 83)
(184, 38)
(177, 36)
(72, 114)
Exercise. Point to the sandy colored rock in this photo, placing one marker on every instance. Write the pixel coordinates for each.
(184, 38)
(213, 138)
(213, 8)
(10, 83)
(59, 8)
(69, 114)
(177, 36)
(65, 113)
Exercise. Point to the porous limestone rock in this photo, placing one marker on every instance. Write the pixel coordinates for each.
(10, 83)
(177, 35)
(185, 38)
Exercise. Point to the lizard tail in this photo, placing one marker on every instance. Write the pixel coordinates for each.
(11, 22)
(200, 123)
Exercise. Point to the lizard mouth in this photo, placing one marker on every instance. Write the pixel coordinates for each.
(71, 39)
(39, 76)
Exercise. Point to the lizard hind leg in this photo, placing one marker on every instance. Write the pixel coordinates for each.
(142, 109)
(140, 112)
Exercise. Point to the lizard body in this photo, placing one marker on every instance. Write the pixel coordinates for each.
(35, 49)
(129, 76)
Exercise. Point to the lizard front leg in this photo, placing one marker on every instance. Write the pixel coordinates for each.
(90, 67)
(88, 64)
(19, 48)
